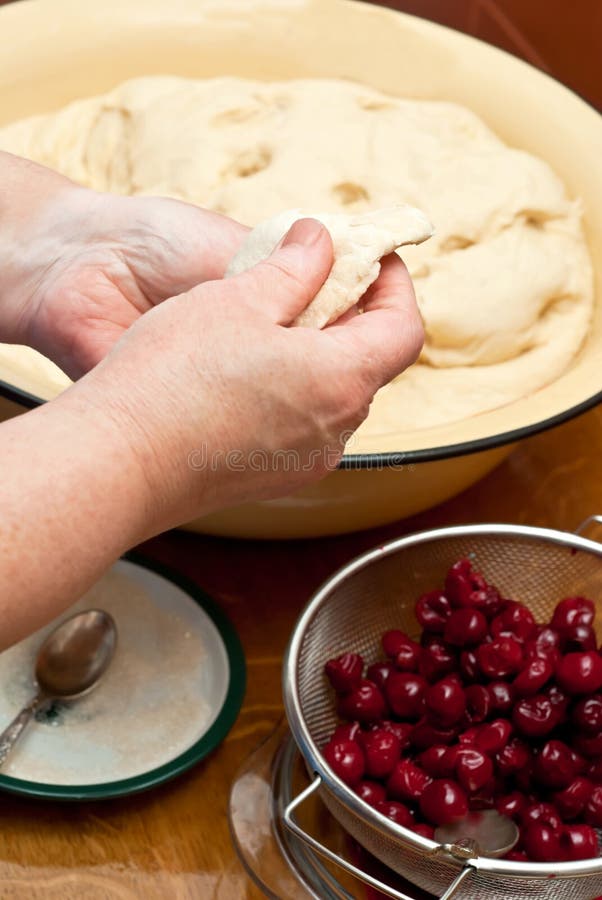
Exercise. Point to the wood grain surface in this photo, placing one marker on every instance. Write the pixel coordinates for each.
(173, 842)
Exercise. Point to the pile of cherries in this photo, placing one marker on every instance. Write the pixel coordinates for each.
(487, 710)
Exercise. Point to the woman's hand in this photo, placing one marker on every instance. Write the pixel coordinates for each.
(207, 400)
(221, 402)
(80, 267)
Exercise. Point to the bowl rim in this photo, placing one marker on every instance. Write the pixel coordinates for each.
(394, 459)
(306, 744)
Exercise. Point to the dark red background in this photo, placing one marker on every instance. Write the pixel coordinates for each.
(564, 39)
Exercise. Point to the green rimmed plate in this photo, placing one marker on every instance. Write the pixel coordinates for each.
(170, 696)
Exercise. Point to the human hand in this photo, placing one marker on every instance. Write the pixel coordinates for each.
(80, 267)
(220, 402)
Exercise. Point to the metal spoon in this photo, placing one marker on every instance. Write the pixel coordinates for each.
(487, 831)
(69, 664)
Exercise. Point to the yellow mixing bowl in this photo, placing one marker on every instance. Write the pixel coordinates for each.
(54, 51)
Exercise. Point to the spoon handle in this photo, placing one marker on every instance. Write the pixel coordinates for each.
(12, 732)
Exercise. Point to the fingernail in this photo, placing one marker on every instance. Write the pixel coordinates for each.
(304, 232)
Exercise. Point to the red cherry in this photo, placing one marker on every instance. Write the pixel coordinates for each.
(364, 703)
(469, 736)
(346, 760)
(580, 673)
(594, 771)
(458, 583)
(469, 667)
(543, 813)
(437, 660)
(465, 627)
(513, 757)
(424, 830)
(397, 812)
(523, 779)
(545, 645)
(487, 600)
(405, 693)
(593, 808)
(512, 805)
(492, 736)
(448, 763)
(587, 714)
(443, 801)
(473, 769)
(345, 672)
(432, 610)
(408, 658)
(541, 843)
(535, 716)
(571, 801)
(547, 639)
(517, 856)
(445, 702)
(348, 731)
(434, 761)
(501, 695)
(515, 621)
(485, 797)
(580, 762)
(429, 637)
(577, 638)
(559, 700)
(407, 781)
(370, 791)
(579, 842)
(478, 703)
(588, 745)
(501, 658)
(555, 765)
(533, 677)
(393, 641)
(402, 730)
(378, 673)
(426, 735)
(573, 611)
(474, 580)
(382, 749)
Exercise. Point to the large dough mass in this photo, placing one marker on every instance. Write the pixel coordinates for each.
(505, 284)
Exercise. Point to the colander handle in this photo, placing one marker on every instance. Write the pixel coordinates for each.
(324, 851)
(583, 526)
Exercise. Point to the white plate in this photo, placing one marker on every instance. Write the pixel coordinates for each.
(170, 695)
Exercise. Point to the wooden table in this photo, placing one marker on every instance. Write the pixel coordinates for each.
(173, 843)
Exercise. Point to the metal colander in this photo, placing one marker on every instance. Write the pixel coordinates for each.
(377, 591)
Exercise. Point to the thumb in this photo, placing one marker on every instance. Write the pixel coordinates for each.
(289, 279)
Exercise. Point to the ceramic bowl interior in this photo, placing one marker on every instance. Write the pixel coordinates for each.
(54, 52)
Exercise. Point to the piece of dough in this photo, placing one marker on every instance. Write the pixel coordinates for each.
(359, 242)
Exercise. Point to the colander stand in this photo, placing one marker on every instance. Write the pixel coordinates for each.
(457, 851)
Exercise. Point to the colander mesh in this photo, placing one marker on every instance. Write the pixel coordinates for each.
(353, 616)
